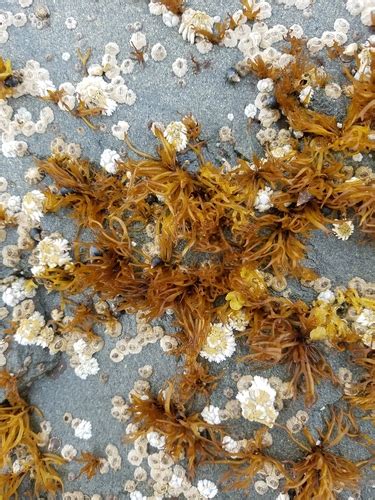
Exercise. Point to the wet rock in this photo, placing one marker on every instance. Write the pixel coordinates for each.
(30, 363)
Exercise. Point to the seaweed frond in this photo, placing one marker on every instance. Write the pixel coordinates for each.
(84, 58)
(329, 325)
(194, 380)
(250, 9)
(9, 383)
(18, 439)
(175, 6)
(91, 464)
(138, 54)
(362, 393)
(321, 471)
(5, 69)
(6, 73)
(362, 104)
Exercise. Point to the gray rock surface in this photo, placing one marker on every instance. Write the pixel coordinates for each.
(30, 365)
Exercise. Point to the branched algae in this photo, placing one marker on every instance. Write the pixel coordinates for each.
(20, 455)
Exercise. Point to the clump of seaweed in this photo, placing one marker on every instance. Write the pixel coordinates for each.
(279, 333)
(186, 435)
(20, 455)
(321, 472)
(247, 463)
(194, 380)
(362, 393)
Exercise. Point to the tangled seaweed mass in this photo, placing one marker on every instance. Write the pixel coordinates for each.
(172, 234)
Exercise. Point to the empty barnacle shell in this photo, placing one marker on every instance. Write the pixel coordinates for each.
(242, 68)
(54, 444)
(232, 76)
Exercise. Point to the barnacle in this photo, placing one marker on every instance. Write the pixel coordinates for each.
(195, 22)
(321, 471)
(16, 432)
(215, 32)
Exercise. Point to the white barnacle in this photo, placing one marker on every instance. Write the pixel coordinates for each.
(32, 205)
(220, 343)
(180, 67)
(50, 253)
(93, 92)
(176, 135)
(29, 329)
(343, 229)
(158, 52)
(257, 402)
(263, 200)
(193, 21)
(108, 160)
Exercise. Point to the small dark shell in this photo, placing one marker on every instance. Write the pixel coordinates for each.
(156, 261)
(271, 102)
(12, 81)
(232, 76)
(151, 199)
(64, 191)
(95, 252)
(35, 233)
(304, 197)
